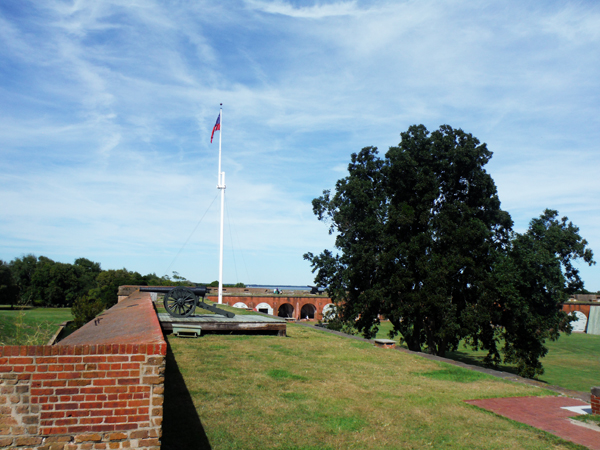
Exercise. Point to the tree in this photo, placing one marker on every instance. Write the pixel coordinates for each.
(532, 278)
(108, 282)
(9, 291)
(421, 239)
(44, 282)
(23, 269)
(86, 308)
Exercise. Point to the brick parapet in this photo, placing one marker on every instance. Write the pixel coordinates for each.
(85, 395)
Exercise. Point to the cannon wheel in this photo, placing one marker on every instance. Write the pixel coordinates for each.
(180, 302)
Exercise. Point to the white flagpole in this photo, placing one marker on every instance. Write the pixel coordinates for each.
(221, 185)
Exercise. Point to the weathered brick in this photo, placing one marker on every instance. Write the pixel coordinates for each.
(52, 415)
(18, 430)
(22, 409)
(8, 420)
(27, 440)
(42, 391)
(29, 420)
(106, 382)
(95, 437)
(79, 382)
(44, 376)
(153, 380)
(55, 383)
(15, 361)
(66, 391)
(155, 360)
(117, 358)
(6, 441)
(91, 420)
(117, 419)
(117, 436)
(69, 375)
(139, 434)
(54, 439)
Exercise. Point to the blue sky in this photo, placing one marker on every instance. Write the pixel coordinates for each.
(106, 110)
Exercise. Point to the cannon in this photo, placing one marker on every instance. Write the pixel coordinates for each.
(181, 301)
(316, 290)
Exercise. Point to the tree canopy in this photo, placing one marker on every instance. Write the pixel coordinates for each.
(421, 239)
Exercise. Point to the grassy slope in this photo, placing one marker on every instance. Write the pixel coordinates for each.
(313, 390)
(30, 326)
(573, 361)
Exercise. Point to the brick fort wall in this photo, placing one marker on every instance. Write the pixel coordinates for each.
(100, 388)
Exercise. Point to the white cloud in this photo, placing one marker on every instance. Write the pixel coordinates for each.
(317, 11)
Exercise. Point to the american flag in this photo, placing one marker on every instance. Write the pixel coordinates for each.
(216, 127)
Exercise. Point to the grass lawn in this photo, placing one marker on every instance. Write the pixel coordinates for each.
(30, 326)
(314, 390)
(572, 362)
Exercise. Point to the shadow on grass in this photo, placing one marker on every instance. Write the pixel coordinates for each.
(474, 360)
(181, 428)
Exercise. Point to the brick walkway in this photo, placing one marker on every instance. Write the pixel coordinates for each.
(544, 413)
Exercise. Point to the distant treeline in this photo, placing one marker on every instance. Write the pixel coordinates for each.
(40, 281)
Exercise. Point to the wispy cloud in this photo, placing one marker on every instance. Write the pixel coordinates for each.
(317, 11)
(107, 109)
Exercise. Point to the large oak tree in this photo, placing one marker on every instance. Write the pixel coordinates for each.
(422, 240)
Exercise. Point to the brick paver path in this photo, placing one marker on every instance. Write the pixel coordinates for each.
(544, 413)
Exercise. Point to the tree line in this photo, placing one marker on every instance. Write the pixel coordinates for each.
(83, 286)
(422, 240)
(42, 282)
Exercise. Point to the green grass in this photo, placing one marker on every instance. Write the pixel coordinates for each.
(30, 326)
(314, 390)
(592, 419)
(572, 362)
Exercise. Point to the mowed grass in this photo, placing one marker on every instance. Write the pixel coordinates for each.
(572, 362)
(314, 390)
(30, 326)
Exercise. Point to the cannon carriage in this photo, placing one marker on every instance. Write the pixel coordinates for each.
(181, 301)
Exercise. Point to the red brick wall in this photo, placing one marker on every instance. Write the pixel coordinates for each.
(596, 400)
(276, 301)
(81, 395)
(570, 307)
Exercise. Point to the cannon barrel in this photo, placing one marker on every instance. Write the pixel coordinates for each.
(200, 291)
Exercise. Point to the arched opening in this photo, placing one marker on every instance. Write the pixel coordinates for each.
(308, 311)
(240, 305)
(579, 325)
(286, 310)
(264, 308)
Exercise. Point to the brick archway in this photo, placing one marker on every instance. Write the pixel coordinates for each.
(286, 310)
(308, 311)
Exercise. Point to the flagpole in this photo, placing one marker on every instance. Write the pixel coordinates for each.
(221, 186)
